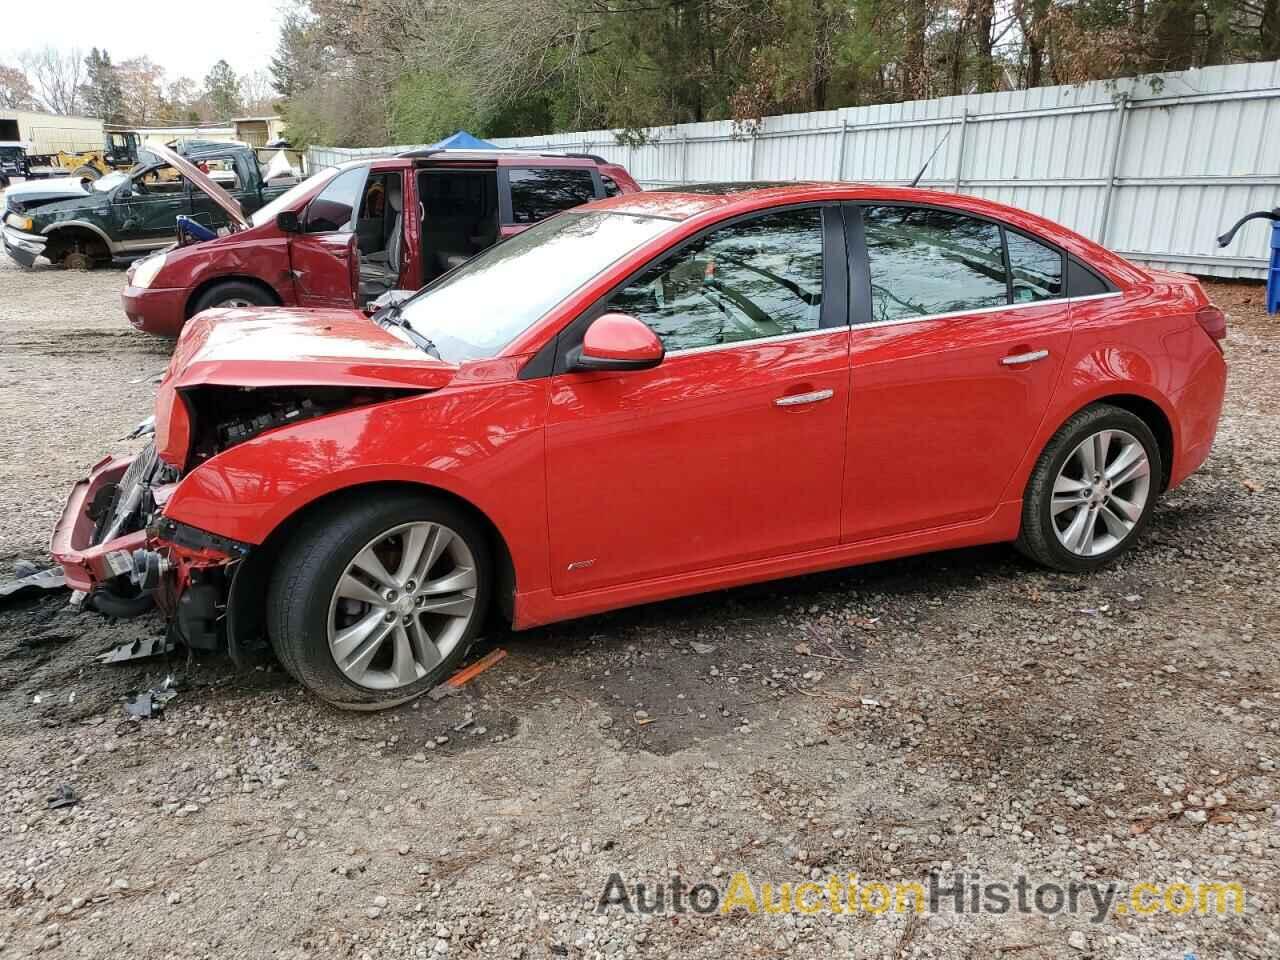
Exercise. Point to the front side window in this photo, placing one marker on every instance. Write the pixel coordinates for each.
(334, 208)
(751, 280)
(1036, 269)
(540, 192)
(927, 261)
(611, 188)
(162, 181)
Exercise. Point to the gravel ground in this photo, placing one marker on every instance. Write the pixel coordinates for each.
(957, 712)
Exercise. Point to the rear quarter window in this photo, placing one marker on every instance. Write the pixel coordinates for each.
(541, 192)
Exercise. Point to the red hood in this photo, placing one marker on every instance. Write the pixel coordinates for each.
(282, 346)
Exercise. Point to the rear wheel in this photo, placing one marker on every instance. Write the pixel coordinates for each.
(87, 172)
(375, 601)
(1093, 490)
(232, 293)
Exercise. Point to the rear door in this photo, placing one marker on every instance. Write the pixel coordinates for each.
(960, 333)
(323, 255)
(530, 194)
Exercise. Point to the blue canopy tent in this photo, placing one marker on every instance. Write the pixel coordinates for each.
(464, 141)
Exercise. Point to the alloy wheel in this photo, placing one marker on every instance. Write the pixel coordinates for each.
(1100, 492)
(402, 605)
(233, 302)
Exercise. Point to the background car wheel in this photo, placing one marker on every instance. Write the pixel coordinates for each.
(233, 293)
(1092, 491)
(376, 600)
(87, 172)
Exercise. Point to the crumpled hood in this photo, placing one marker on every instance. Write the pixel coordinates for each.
(43, 191)
(286, 346)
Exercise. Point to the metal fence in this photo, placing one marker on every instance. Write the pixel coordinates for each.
(1154, 167)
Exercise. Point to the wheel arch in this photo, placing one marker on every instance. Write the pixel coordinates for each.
(246, 601)
(209, 283)
(1148, 409)
(65, 229)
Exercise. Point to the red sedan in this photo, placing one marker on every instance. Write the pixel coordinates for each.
(652, 395)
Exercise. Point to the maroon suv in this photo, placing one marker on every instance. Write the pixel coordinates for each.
(351, 233)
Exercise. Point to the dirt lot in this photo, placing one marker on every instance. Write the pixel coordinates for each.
(959, 712)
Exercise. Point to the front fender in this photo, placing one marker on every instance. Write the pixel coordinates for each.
(482, 443)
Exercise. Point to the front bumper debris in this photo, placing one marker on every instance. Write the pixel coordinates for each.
(87, 565)
(23, 247)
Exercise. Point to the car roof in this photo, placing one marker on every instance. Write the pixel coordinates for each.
(505, 157)
(717, 201)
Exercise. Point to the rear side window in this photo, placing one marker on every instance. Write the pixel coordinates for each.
(335, 206)
(1035, 268)
(540, 192)
(927, 261)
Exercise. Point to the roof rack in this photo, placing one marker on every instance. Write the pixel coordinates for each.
(432, 151)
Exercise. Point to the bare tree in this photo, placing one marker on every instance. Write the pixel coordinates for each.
(15, 89)
(256, 92)
(57, 77)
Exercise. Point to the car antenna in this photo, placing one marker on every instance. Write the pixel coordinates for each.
(931, 156)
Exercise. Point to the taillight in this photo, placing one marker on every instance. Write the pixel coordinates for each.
(1214, 323)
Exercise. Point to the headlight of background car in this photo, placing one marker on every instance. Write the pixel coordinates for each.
(145, 270)
(17, 222)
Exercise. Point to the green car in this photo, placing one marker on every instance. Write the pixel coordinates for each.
(124, 215)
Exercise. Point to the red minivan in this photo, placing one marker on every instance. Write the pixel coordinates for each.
(353, 232)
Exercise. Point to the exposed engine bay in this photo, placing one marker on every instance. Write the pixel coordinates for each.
(142, 559)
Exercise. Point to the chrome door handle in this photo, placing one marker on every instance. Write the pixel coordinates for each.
(1017, 358)
(799, 399)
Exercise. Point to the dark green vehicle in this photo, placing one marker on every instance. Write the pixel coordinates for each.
(124, 215)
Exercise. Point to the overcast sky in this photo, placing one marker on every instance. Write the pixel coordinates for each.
(184, 38)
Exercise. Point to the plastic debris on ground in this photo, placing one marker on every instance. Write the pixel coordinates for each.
(468, 673)
(27, 581)
(136, 649)
(64, 796)
(150, 704)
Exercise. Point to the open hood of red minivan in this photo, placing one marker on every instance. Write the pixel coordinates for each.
(284, 346)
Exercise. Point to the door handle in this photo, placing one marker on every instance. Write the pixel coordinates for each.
(800, 399)
(1015, 359)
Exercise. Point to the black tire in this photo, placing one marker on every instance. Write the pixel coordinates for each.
(307, 573)
(87, 172)
(4, 182)
(1038, 538)
(234, 293)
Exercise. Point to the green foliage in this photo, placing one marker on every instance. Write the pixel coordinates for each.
(426, 107)
(417, 72)
(222, 88)
(102, 94)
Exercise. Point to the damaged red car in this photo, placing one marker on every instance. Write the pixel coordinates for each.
(649, 396)
(351, 233)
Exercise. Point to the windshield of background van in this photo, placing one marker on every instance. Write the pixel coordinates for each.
(479, 308)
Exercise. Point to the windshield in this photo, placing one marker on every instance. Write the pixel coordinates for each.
(110, 181)
(474, 311)
(286, 200)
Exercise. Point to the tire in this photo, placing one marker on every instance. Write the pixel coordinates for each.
(87, 172)
(232, 293)
(307, 619)
(1057, 529)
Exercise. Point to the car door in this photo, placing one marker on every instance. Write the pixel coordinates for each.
(226, 172)
(732, 448)
(147, 209)
(953, 358)
(323, 254)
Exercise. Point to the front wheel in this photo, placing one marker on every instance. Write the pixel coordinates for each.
(1092, 492)
(232, 293)
(377, 600)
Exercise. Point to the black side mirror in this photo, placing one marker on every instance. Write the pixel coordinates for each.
(287, 222)
(125, 192)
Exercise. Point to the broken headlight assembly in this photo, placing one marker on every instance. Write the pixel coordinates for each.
(145, 271)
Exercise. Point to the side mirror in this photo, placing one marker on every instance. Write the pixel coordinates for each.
(125, 192)
(617, 341)
(287, 222)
